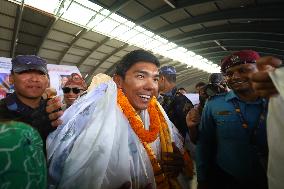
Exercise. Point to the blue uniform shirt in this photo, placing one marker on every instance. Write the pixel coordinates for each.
(223, 140)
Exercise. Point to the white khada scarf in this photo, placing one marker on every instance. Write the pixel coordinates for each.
(96, 148)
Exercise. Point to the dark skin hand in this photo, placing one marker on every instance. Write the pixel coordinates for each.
(192, 121)
(172, 163)
(127, 185)
(261, 81)
(53, 105)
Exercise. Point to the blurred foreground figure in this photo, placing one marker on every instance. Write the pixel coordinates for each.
(268, 82)
(22, 161)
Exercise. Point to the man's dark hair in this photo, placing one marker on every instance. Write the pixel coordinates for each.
(170, 77)
(200, 84)
(181, 88)
(132, 58)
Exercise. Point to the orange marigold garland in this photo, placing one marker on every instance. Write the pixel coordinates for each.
(135, 121)
(157, 125)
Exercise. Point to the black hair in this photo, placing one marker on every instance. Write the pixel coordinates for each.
(200, 84)
(216, 78)
(181, 88)
(132, 58)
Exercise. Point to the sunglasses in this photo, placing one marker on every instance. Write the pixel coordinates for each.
(74, 90)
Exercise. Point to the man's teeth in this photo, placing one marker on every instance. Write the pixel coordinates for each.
(147, 97)
(239, 82)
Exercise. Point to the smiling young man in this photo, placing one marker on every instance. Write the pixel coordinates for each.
(232, 147)
(29, 75)
(126, 139)
(73, 88)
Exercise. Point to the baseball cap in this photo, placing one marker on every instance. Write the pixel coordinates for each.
(169, 70)
(237, 58)
(28, 62)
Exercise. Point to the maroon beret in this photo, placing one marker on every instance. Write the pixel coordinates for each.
(237, 58)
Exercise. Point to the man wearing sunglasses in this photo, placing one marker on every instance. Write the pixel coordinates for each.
(73, 88)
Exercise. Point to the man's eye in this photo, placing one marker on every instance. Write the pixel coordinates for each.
(140, 76)
(156, 79)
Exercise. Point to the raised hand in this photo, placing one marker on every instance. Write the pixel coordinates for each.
(54, 109)
(261, 82)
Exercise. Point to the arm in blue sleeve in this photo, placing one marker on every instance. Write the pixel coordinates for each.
(206, 144)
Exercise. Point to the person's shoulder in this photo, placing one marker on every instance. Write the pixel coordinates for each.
(219, 96)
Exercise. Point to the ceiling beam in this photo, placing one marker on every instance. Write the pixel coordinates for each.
(262, 52)
(266, 27)
(92, 51)
(17, 24)
(257, 49)
(228, 43)
(234, 36)
(272, 12)
(91, 73)
(189, 74)
(111, 69)
(118, 4)
(115, 7)
(53, 20)
(244, 46)
(193, 81)
(187, 71)
(192, 77)
(78, 36)
(167, 9)
(47, 30)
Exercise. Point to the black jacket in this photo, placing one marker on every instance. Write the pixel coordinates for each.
(177, 107)
(11, 108)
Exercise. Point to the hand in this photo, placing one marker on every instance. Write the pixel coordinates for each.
(172, 163)
(127, 185)
(261, 82)
(53, 105)
(192, 118)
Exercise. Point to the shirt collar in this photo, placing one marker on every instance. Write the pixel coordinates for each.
(232, 95)
(171, 92)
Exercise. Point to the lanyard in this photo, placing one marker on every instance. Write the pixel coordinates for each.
(242, 118)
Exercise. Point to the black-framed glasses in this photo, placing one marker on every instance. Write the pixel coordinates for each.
(75, 90)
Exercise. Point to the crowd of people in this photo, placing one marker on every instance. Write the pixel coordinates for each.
(137, 130)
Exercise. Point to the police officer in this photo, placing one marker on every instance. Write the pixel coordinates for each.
(175, 104)
(29, 75)
(232, 147)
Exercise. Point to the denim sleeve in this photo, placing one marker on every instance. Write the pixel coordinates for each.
(206, 144)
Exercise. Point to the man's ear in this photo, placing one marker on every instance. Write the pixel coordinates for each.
(11, 79)
(118, 80)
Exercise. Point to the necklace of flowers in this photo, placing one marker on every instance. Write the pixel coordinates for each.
(135, 121)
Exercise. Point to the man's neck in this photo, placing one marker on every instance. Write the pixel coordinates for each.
(247, 96)
(31, 102)
(168, 88)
